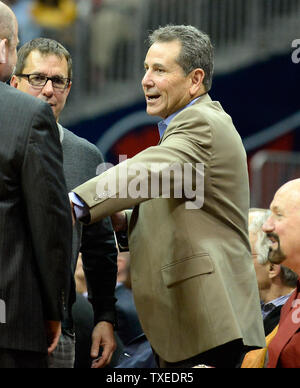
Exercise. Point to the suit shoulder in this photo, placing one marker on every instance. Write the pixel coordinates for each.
(206, 110)
(20, 100)
(83, 146)
(209, 115)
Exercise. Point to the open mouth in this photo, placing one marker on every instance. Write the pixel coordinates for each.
(152, 98)
(274, 241)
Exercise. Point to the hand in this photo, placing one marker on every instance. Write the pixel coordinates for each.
(53, 330)
(119, 221)
(103, 336)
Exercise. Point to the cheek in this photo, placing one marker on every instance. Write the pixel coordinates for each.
(286, 236)
(61, 100)
(279, 229)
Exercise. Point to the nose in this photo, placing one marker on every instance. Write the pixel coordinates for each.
(147, 80)
(48, 89)
(268, 226)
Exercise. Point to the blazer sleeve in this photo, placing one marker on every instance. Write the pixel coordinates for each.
(186, 143)
(48, 210)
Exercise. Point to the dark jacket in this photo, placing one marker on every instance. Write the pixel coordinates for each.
(96, 242)
(35, 221)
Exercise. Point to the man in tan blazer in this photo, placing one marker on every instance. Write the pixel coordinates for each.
(192, 273)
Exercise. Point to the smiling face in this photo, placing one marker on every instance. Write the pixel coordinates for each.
(283, 226)
(167, 89)
(49, 65)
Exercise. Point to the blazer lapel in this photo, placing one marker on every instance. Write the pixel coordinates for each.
(204, 98)
(287, 328)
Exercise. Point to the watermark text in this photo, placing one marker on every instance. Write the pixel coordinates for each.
(153, 180)
(296, 52)
(296, 313)
(2, 311)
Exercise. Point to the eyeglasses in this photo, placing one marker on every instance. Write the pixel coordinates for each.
(39, 80)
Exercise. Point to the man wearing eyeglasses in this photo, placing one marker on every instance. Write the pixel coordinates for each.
(43, 74)
(44, 70)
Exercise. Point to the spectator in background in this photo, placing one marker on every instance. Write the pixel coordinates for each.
(44, 70)
(54, 13)
(34, 261)
(129, 326)
(112, 25)
(282, 228)
(28, 28)
(275, 282)
(192, 274)
(133, 350)
(137, 351)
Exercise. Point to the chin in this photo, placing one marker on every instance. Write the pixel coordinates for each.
(277, 257)
(152, 113)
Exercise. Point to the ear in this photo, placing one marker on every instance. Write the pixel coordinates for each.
(197, 77)
(3, 48)
(14, 82)
(69, 88)
(274, 270)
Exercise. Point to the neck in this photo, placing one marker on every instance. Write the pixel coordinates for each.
(274, 292)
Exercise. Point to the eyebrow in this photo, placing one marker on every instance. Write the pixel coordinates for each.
(276, 209)
(155, 64)
(45, 75)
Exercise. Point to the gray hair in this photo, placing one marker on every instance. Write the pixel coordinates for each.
(46, 47)
(196, 50)
(262, 245)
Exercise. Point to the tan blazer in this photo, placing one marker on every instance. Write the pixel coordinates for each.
(192, 273)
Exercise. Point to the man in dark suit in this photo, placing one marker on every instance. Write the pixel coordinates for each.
(33, 203)
(282, 228)
(44, 70)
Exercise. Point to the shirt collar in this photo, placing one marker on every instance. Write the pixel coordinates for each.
(61, 132)
(163, 124)
(281, 300)
(276, 302)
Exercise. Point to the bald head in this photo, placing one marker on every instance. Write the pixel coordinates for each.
(291, 192)
(283, 226)
(7, 22)
(8, 41)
